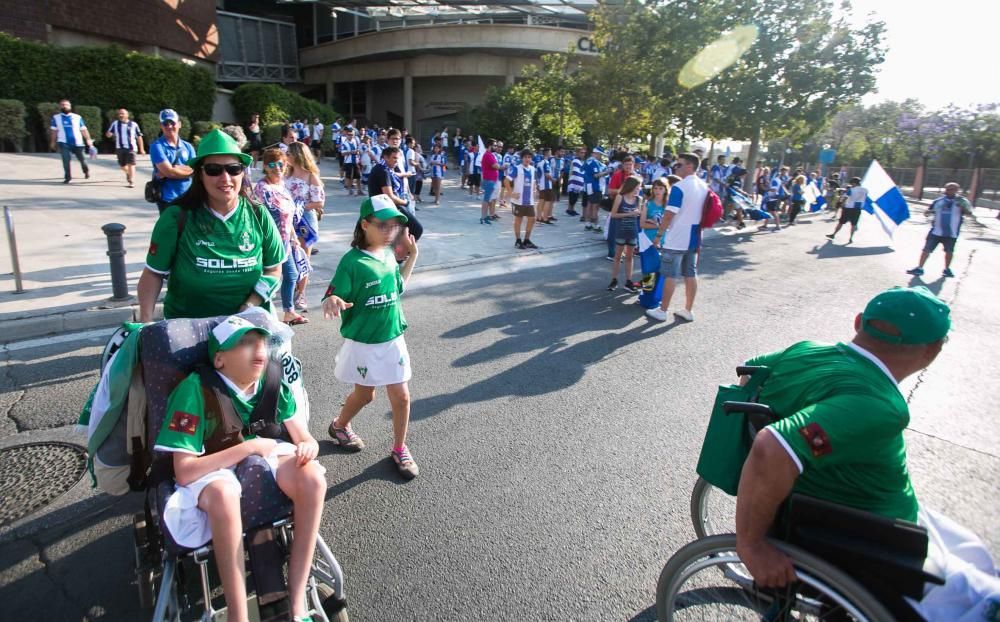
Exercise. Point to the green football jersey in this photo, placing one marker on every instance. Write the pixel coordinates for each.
(374, 285)
(843, 419)
(185, 427)
(215, 263)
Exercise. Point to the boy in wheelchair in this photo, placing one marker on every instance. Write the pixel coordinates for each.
(843, 442)
(206, 445)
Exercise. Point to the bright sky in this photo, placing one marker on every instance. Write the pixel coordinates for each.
(938, 52)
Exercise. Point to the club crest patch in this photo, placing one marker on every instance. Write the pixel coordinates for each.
(402, 361)
(183, 422)
(363, 371)
(816, 439)
(153, 247)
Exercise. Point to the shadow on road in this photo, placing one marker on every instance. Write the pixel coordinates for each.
(829, 250)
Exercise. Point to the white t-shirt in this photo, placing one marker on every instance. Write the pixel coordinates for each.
(317, 134)
(856, 197)
(686, 202)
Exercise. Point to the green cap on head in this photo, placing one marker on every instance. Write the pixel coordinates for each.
(228, 333)
(918, 315)
(218, 142)
(381, 206)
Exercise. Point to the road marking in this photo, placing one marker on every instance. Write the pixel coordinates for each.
(97, 334)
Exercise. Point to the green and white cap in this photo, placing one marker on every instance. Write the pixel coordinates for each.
(228, 333)
(919, 316)
(381, 206)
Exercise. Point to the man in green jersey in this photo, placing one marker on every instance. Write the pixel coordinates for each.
(221, 252)
(840, 438)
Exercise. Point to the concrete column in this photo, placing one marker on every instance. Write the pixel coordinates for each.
(917, 192)
(408, 99)
(329, 92)
(509, 78)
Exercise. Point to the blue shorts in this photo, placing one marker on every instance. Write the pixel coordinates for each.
(488, 187)
(677, 264)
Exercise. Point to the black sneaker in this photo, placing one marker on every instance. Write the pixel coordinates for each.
(632, 287)
(66, 181)
(613, 285)
(86, 174)
(518, 244)
(529, 244)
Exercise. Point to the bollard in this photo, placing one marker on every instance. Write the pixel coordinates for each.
(9, 220)
(116, 253)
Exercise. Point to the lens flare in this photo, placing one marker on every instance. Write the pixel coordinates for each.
(718, 55)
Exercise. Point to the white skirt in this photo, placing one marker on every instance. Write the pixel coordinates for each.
(187, 523)
(373, 364)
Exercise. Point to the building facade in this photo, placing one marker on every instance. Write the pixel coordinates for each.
(405, 63)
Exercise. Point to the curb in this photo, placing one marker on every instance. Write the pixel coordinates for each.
(44, 325)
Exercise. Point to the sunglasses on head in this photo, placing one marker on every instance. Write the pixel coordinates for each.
(276, 164)
(214, 170)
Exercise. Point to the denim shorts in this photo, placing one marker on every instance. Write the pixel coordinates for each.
(488, 188)
(677, 264)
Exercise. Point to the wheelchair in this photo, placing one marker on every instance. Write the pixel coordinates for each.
(179, 583)
(850, 564)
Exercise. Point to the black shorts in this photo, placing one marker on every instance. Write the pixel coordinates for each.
(475, 179)
(351, 170)
(850, 215)
(125, 156)
(934, 240)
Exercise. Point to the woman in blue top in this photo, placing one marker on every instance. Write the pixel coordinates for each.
(652, 210)
(798, 198)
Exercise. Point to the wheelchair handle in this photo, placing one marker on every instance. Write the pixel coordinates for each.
(748, 370)
(750, 408)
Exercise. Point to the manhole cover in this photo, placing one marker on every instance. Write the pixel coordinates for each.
(34, 475)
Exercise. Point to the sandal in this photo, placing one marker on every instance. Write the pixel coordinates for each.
(295, 321)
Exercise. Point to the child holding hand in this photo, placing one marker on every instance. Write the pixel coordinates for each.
(365, 292)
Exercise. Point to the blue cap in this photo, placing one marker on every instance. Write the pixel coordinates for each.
(169, 114)
(599, 150)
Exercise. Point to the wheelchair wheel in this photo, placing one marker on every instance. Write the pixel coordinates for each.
(713, 512)
(332, 608)
(705, 580)
(143, 570)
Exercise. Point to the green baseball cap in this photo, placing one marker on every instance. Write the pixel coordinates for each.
(218, 142)
(381, 206)
(918, 315)
(228, 333)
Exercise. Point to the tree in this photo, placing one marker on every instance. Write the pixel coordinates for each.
(549, 90)
(506, 113)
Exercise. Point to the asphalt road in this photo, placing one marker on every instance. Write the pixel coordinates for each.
(556, 430)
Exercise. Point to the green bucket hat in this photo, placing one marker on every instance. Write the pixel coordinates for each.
(918, 315)
(218, 142)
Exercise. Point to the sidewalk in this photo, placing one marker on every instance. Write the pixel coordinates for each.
(65, 266)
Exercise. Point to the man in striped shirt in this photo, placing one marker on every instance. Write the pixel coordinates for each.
(575, 186)
(546, 191)
(128, 140)
(69, 131)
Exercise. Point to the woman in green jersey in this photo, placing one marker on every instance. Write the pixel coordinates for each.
(221, 251)
(365, 292)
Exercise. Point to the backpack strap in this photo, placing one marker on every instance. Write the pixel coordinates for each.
(228, 429)
(263, 417)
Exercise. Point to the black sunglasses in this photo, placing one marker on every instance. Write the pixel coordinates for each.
(169, 123)
(214, 170)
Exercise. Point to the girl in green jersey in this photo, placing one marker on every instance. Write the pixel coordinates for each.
(365, 292)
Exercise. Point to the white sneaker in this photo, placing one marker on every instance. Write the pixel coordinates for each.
(685, 315)
(657, 314)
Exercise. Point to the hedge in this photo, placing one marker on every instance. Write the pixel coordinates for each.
(277, 105)
(106, 77)
(12, 126)
(149, 123)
